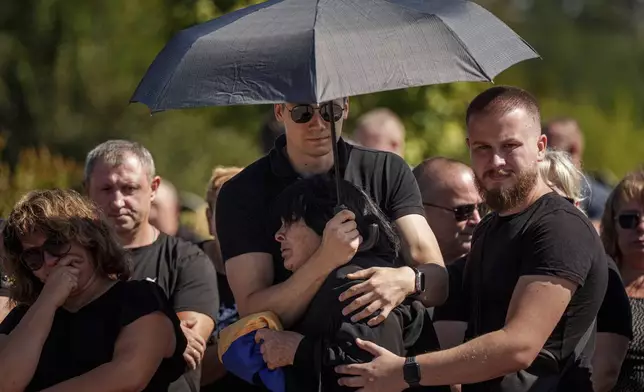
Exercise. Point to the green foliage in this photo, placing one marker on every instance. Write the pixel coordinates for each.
(37, 168)
(68, 69)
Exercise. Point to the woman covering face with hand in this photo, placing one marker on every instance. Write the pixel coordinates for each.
(79, 325)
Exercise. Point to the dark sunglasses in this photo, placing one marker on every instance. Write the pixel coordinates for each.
(465, 211)
(629, 220)
(302, 114)
(34, 258)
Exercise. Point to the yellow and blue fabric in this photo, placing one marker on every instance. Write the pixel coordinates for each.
(240, 354)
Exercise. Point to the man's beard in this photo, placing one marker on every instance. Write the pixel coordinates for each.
(503, 199)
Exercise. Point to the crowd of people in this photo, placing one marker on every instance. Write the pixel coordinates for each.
(518, 272)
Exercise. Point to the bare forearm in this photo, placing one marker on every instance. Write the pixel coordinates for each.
(484, 358)
(109, 377)
(21, 354)
(211, 368)
(290, 299)
(423, 252)
(436, 284)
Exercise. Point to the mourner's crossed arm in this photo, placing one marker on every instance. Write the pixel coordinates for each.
(137, 356)
(20, 350)
(196, 302)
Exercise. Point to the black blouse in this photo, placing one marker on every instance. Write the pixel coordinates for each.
(80, 342)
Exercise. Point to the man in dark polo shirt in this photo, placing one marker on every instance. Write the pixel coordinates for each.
(246, 229)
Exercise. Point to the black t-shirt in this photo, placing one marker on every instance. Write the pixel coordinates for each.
(187, 277)
(244, 224)
(82, 341)
(455, 308)
(551, 238)
(615, 313)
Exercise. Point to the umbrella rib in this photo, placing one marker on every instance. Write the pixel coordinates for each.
(467, 50)
(313, 61)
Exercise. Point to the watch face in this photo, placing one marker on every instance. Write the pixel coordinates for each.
(411, 373)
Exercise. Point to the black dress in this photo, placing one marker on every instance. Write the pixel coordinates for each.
(79, 342)
(631, 376)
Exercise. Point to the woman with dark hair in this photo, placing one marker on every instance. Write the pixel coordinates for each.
(79, 324)
(325, 337)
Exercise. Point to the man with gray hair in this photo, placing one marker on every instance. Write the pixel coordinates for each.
(120, 178)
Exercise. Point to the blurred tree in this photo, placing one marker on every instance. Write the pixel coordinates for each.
(36, 168)
(68, 69)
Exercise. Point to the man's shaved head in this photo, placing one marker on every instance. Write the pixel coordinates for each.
(447, 187)
(564, 134)
(437, 175)
(502, 100)
(165, 211)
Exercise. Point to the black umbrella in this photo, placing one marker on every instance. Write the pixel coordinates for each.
(313, 51)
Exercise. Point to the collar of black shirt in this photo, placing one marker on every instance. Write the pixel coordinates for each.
(281, 166)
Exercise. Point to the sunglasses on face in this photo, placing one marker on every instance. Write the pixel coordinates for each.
(464, 212)
(34, 258)
(629, 220)
(302, 114)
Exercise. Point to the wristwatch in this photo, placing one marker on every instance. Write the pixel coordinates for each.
(411, 372)
(419, 285)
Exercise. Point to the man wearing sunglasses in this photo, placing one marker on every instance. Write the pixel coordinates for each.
(453, 207)
(245, 226)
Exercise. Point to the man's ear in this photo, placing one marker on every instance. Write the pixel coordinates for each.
(154, 185)
(345, 113)
(542, 145)
(279, 109)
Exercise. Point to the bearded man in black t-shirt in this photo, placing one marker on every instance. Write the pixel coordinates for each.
(534, 280)
(120, 178)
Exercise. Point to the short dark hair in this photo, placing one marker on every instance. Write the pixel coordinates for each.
(314, 200)
(500, 100)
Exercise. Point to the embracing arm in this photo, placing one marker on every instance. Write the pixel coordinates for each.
(420, 249)
(537, 304)
(251, 280)
(20, 351)
(137, 356)
(536, 307)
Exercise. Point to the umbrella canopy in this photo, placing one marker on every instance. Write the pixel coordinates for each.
(312, 51)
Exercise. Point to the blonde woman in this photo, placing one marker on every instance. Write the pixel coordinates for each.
(614, 317)
(213, 375)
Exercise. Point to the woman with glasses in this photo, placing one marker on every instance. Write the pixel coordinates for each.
(79, 324)
(622, 232)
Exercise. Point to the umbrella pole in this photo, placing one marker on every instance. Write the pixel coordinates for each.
(336, 160)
